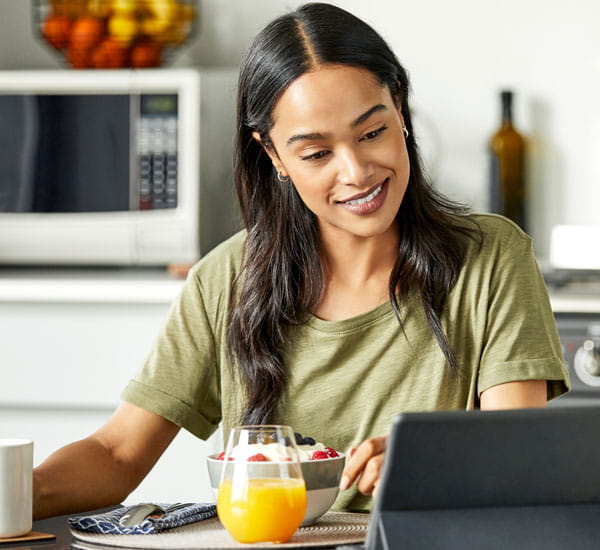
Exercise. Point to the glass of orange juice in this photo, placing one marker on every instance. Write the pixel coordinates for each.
(262, 496)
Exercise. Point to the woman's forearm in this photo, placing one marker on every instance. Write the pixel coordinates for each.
(102, 469)
(78, 477)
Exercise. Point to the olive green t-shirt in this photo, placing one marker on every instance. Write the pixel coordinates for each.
(347, 379)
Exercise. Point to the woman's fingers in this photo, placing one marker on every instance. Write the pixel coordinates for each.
(369, 477)
(364, 465)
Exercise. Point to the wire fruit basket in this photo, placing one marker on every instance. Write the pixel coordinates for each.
(114, 34)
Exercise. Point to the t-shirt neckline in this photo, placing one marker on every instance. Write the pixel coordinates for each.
(379, 313)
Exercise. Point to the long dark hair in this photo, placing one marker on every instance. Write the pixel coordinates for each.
(282, 276)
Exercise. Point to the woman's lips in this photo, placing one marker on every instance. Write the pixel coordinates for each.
(369, 203)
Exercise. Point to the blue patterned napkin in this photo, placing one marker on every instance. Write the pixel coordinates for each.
(108, 522)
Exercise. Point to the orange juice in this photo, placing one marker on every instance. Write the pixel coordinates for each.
(262, 509)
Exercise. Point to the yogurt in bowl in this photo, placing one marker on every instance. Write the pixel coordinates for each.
(321, 468)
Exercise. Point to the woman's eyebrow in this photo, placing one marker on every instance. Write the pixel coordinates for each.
(300, 137)
(318, 135)
(367, 114)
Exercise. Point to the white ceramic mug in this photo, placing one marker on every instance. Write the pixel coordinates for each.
(16, 472)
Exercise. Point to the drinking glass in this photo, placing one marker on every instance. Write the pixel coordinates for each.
(261, 501)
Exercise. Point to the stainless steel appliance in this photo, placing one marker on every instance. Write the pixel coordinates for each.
(573, 278)
(115, 167)
(580, 338)
(576, 305)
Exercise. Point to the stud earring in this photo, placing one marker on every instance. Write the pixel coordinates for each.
(282, 179)
(404, 129)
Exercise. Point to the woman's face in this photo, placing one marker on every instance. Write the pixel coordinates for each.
(338, 135)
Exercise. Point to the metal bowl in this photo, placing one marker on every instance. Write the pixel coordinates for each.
(115, 34)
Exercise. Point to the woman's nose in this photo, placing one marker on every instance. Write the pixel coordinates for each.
(354, 168)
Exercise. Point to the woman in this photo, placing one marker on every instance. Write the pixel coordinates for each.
(355, 292)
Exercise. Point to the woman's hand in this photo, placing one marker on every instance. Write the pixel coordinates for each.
(363, 465)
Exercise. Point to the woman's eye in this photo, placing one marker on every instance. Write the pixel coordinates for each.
(315, 156)
(374, 133)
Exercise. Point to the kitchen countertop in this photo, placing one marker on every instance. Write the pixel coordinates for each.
(149, 286)
(154, 285)
(576, 298)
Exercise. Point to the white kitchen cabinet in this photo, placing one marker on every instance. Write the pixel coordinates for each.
(69, 342)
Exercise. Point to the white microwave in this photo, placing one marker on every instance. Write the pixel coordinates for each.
(124, 167)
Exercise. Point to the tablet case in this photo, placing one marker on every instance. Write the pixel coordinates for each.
(527, 478)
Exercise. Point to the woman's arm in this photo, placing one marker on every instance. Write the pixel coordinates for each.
(514, 395)
(102, 469)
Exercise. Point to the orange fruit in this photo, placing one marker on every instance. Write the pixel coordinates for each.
(109, 54)
(79, 58)
(145, 53)
(55, 30)
(86, 32)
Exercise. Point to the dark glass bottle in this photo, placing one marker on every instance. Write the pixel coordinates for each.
(507, 167)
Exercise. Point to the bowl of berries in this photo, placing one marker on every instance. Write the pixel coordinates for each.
(322, 468)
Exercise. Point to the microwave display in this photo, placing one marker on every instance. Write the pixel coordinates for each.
(88, 153)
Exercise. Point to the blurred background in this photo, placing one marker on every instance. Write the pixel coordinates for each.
(459, 55)
(69, 341)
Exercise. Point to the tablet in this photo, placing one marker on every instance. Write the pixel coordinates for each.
(527, 478)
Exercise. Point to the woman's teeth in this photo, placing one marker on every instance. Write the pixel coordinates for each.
(368, 198)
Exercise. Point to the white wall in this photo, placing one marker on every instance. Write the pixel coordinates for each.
(459, 55)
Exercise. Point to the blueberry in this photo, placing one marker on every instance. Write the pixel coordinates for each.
(299, 440)
(309, 441)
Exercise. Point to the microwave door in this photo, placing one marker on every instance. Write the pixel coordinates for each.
(72, 156)
(18, 149)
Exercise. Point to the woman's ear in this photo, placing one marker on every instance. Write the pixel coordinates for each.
(270, 150)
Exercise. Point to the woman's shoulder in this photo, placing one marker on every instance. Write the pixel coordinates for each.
(497, 224)
(497, 233)
(223, 261)
(501, 246)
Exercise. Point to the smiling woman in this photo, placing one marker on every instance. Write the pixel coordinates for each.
(356, 291)
(323, 104)
(337, 133)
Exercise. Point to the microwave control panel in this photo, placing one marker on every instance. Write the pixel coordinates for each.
(157, 151)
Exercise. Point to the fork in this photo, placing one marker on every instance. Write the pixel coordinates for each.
(139, 512)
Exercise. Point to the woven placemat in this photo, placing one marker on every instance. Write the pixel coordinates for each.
(332, 529)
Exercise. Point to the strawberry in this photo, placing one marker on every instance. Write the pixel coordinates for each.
(259, 457)
(319, 455)
(221, 456)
